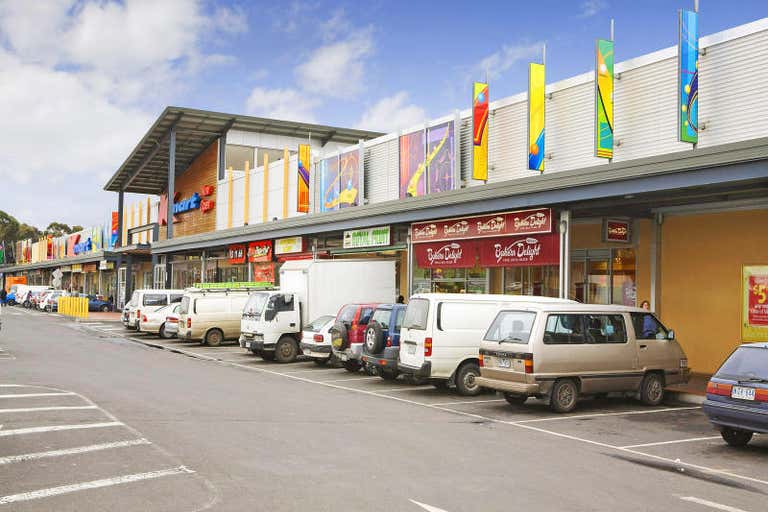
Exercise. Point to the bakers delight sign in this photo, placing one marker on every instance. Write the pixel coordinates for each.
(447, 255)
(520, 251)
(525, 222)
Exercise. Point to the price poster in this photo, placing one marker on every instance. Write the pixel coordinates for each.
(754, 283)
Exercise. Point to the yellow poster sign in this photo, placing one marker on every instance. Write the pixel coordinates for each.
(754, 318)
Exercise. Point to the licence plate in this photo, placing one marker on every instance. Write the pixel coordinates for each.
(411, 348)
(743, 393)
(343, 357)
(503, 362)
(247, 344)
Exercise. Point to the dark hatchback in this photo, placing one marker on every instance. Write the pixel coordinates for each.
(381, 341)
(737, 395)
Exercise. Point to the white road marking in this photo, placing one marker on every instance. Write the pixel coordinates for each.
(58, 428)
(72, 451)
(353, 378)
(93, 484)
(472, 402)
(16, 386)
(428, 508)
(603, 414)
(29, 395)
(711, 504)
(52, 408)
(690, 440)
(395, 390)
(112, 329)
(312, 370)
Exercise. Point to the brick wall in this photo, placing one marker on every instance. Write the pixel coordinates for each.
(202, 171)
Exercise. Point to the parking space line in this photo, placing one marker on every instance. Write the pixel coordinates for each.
(93, 484)
(52, 408)
(604, 414)
(30, 395)
(307, 371)
(394, 390)
(58, 428)
(72, 451)
(353, 378)
(711, 504)
(471, 402)
(690, 440)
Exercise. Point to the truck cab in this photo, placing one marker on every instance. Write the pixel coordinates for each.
(271, 325)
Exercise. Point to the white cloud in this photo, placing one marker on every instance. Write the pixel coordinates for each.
(230, 20)
(589, 8)
(287, 104)
(287, 19)
(497, 63)
(391, 114)
(334, 26)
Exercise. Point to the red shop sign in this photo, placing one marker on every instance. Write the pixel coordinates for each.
(264, 272)
(617, 231)
(524, 222)
(236, 254)
(525, 251)
(260, 251)
(461, 254)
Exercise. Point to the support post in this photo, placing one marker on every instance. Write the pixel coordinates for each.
(361, 171)
(203, 258)
(128, 275)
(409, 255)
(265, 191)
(286, 170)
(222, 164)
(655, 249)
(246, 193)
(565, 254)
(171, 180)
(120, 200)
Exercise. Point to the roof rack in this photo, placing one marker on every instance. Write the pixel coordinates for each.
(233, 286)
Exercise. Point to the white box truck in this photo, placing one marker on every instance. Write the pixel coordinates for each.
(273, 319)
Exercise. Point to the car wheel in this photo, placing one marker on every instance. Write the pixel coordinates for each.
(161, 332)
(466, 380)
(339, 336)
(389, 374)
(267, 356)
(374, 338)
(286, 350)
(105, 308)
(514, 399)
(48, 309)
(352, 366)
(214, 337)
(737, 438)
(565, 394)
(652, 389)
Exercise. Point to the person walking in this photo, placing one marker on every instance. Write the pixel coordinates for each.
(3, 296)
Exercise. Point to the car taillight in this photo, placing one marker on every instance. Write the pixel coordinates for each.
(389, 341)
(144, 318)
(138, 313)
(189, 323)
(529, 365)
(715, 388)
(761, 395)
(480, 361)
(318, 338)
(427, 347)
(172, 320)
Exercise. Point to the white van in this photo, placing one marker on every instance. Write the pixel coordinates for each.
(211, 316)
(441, 334)
(148, 300)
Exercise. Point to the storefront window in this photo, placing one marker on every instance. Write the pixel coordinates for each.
(539, 280)
(624, 283)
(604, 276)
(450, 280)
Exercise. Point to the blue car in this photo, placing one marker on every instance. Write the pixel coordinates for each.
(96, 303)
(737, 395)
(381, 341)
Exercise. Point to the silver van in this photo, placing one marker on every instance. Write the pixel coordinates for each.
(211, 316)
(560, 352)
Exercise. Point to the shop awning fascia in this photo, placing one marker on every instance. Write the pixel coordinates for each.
(88, 258)
(719, 165)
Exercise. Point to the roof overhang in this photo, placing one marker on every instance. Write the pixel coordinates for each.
(63, 262)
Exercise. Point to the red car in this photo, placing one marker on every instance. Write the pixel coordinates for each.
(348, 334)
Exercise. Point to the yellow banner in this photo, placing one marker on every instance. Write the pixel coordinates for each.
(480, 131)
(536, 84)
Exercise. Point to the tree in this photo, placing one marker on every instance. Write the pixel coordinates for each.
(9, 227)
(75, 229)
(57, 229)
(27, 231)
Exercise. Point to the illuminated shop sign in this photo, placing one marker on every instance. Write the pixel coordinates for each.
(524, 222)
(617, 230)
(185, 205)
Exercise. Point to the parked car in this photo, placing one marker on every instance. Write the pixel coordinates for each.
(560, 352)
(99, 303)
(50, 302)
(211, 316)
(171, 329)
(316, 340)
(146, 300)
(441, 334)
(154, 322)
(382, 340)
(29, 294)
(347, 334)
(737, 395)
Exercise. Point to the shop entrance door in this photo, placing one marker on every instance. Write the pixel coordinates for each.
(121, 274)
(590, 276)
(158, 279)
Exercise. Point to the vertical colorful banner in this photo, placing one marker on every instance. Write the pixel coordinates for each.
(604, 98)
(302, 184)
(114, 228)
(480, 131)
(536, 84)
(688, 77)
(329, 184)
(440, 157)
(349, 179)
(413, 182)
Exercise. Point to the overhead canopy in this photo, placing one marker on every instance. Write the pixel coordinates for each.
(146, 168)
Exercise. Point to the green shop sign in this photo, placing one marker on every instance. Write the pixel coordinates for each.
(370, 237)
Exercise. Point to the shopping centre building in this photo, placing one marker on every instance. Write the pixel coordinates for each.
(682, 225)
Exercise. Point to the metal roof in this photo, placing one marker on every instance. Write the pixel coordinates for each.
(63, 262)
(146, 168)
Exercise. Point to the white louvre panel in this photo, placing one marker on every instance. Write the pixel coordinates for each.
(381, 171)
(732, 91)
(570, 118)
(466, 152)
(507, 132)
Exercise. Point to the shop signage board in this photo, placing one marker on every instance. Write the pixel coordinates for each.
(77, 268)
(90, 267)
(236, 254)
(370, 237)
(754, 284)
(264, 272)
(289, 245)
(106, 265)
(525, 222)
(259, 252)
(457, 254)
(617, 230)
(526, 251)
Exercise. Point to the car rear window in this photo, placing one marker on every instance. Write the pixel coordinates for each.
(347, 314)
(184, 309)
(155, 299)
(381, 316)
(745, 363)
(319, 323)
(416, 314)
(511, 327)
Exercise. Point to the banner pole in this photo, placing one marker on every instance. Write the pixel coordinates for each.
(611, 29)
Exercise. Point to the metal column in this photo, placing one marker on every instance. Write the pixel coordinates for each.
(409, 252)
(171, 179)
(128, 275)
(564, 276)
(656, 263)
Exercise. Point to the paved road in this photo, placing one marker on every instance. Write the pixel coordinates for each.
(93, 420)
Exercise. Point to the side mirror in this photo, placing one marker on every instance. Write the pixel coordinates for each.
(671, 334)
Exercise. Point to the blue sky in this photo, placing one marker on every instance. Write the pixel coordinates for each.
(82, 80)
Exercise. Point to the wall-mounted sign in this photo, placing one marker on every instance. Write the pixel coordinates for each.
(617, 230)
(185, 205)
(290, 245)
(77, 268)
(457, 254)
(89, 267)
(525, 222)
(259, 252)
(527, 251)
(207, 190)
(206, 205)
(66, 268)
(754, 322)
(106, 265)
(72, 241)
(370, 237)
(82, 247)
(236, 254)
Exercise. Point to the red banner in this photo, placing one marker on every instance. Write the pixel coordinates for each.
(260, 251)
(758, 300)
(526, 251)
(461, 254)
(523, 222)
(236, 254)
(264, 272)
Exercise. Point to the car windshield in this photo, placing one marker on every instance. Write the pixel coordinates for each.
(511, 327)
(255, 304)
(416, 314)
(318, 323)
(746, 363)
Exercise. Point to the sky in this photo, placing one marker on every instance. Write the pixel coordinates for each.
(81, 81)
